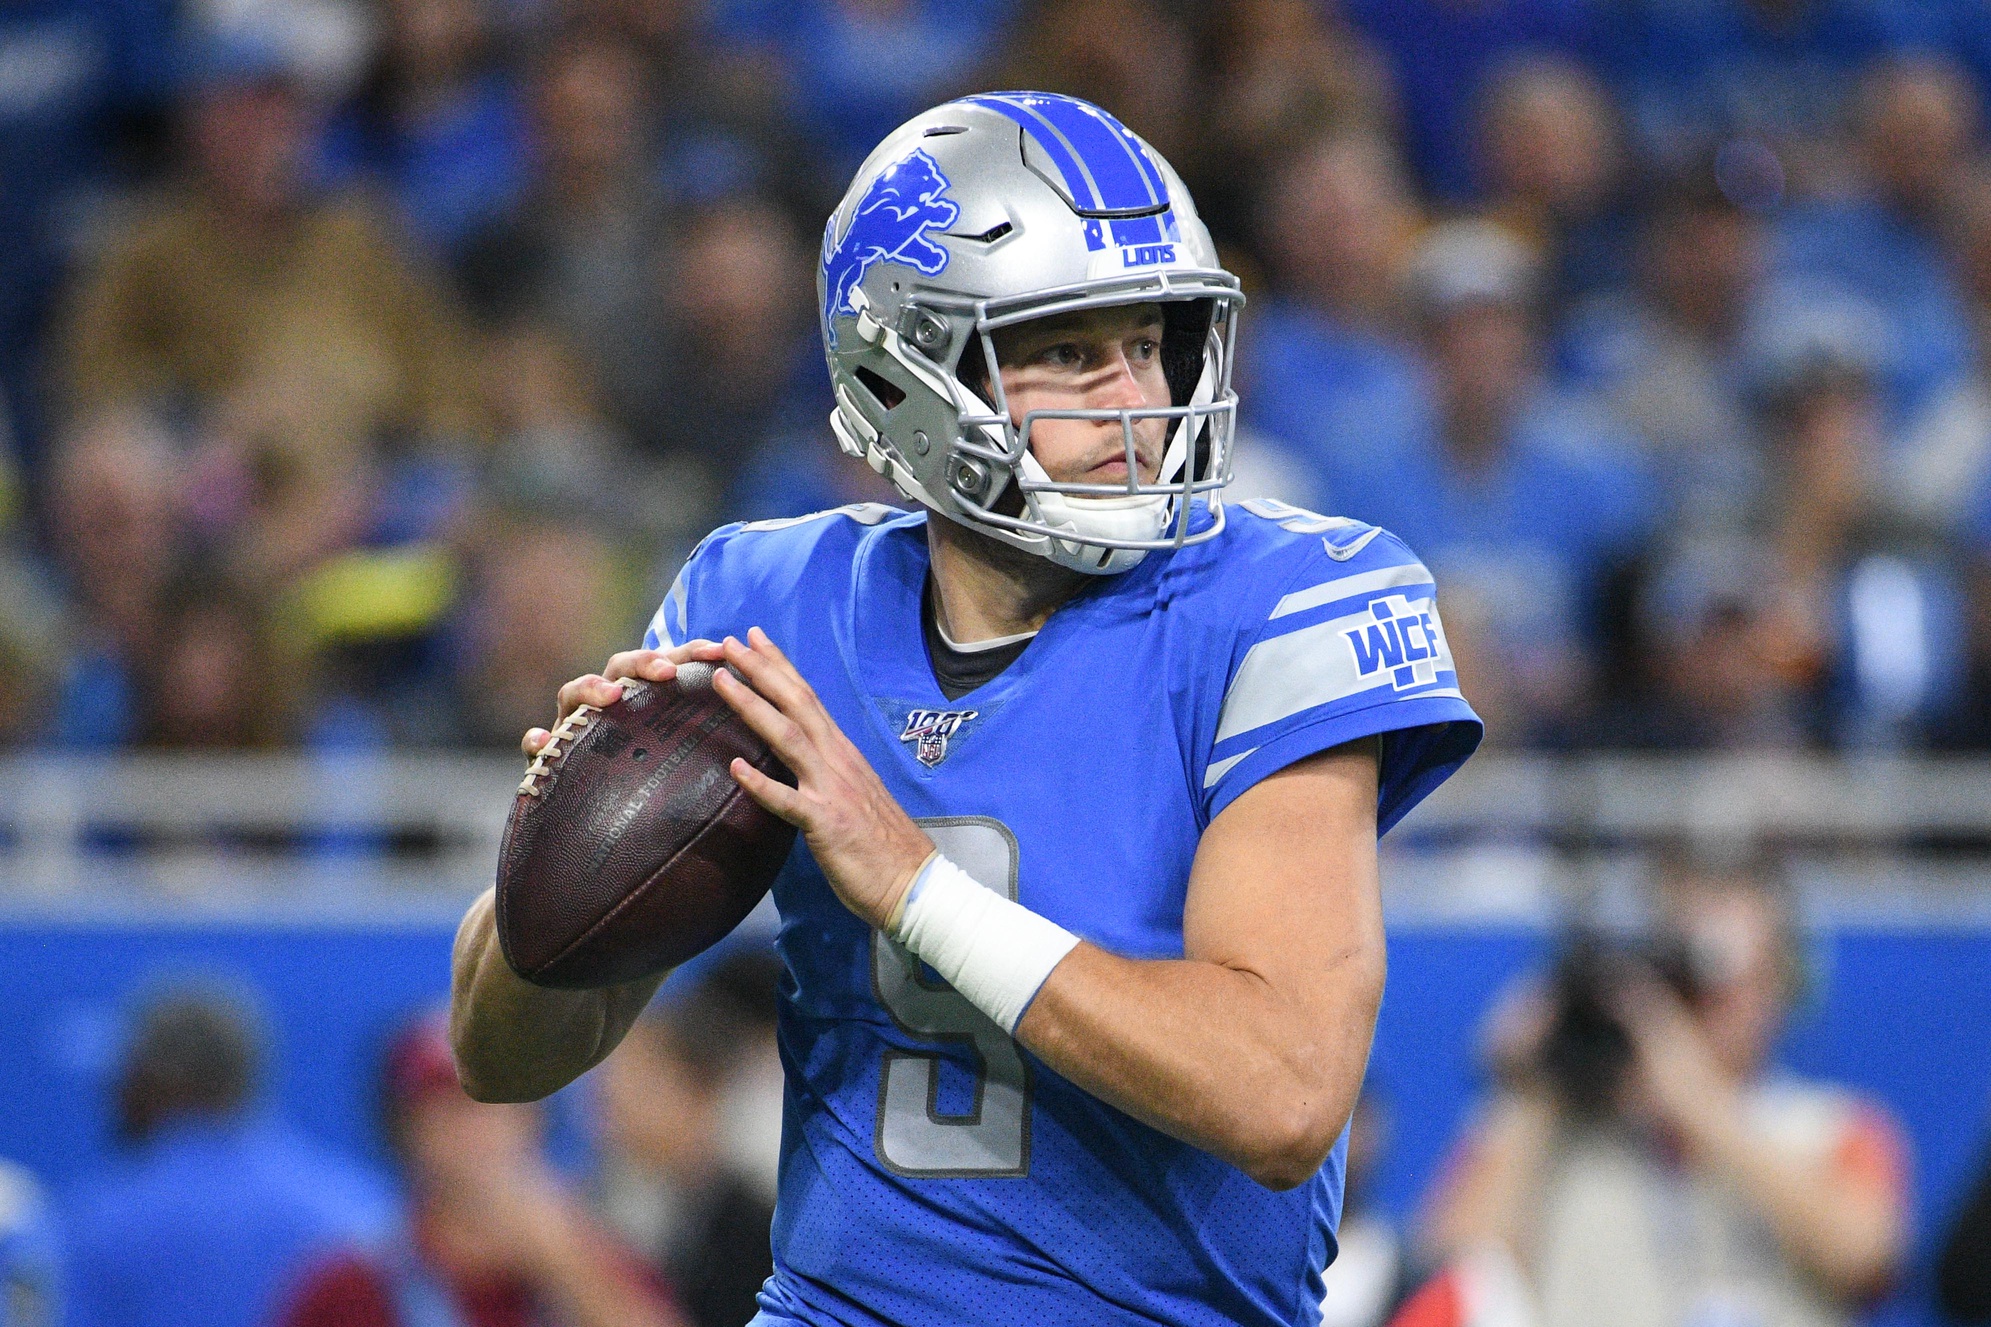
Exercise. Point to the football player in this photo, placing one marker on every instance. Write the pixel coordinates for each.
(1084, 952)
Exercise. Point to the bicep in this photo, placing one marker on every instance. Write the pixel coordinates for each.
(1285, 881)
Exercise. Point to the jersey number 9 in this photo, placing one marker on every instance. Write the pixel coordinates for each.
(992, 1139)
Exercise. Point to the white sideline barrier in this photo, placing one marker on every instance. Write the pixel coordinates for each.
(383, 834)
(235, 817)
(1876, 799)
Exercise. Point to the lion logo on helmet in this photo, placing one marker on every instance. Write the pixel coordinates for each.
(890, 225)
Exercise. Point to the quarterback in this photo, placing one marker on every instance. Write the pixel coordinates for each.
(1082, 940)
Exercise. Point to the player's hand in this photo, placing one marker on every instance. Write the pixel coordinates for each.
(604, 688)
(865, 842)
(1515, 1033)
(1676, 1075)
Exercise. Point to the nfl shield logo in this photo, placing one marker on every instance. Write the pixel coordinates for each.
(929, 730)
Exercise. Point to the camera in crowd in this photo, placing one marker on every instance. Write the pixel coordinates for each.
(1587, 1050)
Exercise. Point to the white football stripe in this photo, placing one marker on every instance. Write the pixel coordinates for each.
(1301, 669)
(1365, 582)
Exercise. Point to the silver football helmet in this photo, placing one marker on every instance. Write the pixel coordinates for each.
(988, 212)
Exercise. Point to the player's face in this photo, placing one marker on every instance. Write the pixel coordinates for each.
(1096, 359)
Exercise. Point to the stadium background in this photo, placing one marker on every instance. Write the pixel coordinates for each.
(368, 369)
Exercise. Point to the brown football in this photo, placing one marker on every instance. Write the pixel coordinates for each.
(630, 848)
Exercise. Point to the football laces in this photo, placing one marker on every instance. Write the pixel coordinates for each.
(563, 735)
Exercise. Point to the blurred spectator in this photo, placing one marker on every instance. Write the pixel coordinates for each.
(1281, 74)
(1324, 368)
(736, 303)
(1963, 1266)
(29, 1257)
(1880, 606)
(212, 1214)
(691, 1107)
(558, 451)
(802, 471)
(1771, 72)
(549, 600)
(1441, 52)
(437, 121)
(115, 514)
(211, 654)
(850, 80)
(1943, 466)
(1086, 48)
(1643, 1164)
(1366, 1280)
(1521, 501)
(1915, 129)
(312, 369)
(78, 117)
(583, 251)
(751, 398)
(1550, 167)
(1939, 479)
(720, 118)
(248, 277)
(1666, 353)
(1722, 659)
(492, 1237)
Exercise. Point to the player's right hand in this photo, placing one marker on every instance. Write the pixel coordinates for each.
(604, 688)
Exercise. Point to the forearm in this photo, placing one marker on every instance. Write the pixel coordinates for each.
(1214, 1055)
(515, 1041)
(1849, 1238)
(589, 1286)
(1486, 1197)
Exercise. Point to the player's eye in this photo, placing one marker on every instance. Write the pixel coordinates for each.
(1064, 355)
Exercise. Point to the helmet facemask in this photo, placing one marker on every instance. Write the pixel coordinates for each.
(999, 485)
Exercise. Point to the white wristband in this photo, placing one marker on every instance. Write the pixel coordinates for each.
(994, 952)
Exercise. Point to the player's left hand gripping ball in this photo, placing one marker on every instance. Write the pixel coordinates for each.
(865, 842)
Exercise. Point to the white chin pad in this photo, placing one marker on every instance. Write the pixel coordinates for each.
(1130, 518)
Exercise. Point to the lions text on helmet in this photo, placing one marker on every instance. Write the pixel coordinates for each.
(964, 235)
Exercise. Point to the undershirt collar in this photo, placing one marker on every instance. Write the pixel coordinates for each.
(959, 669)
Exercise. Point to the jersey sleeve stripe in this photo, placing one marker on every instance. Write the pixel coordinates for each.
(1348, 587)
(1394, 644)
(667, 628)
(1222, 767)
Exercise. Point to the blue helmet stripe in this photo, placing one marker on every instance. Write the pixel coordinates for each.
(1053, 144)
(1110, 149)
(1104, 166)
(1141, 158)
(1104, 147)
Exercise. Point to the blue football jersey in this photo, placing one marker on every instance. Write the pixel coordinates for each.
(932, 1172)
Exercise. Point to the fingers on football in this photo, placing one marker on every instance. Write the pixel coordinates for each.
(773, 794)
(783, 735)
(650, 665)
(534, 741)
(701, 650)
(594, 689)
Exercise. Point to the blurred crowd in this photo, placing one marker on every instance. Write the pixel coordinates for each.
(214, 1212)
(379, 359)
(1641, 1158)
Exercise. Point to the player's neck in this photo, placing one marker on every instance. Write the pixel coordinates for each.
(984, 589)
